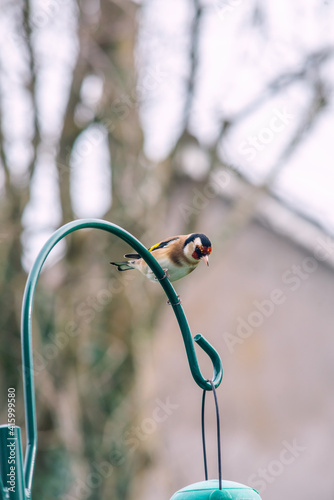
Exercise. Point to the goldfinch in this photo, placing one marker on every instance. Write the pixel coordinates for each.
(178, 256)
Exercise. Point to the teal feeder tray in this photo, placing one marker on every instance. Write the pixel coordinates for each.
(16, 478)
(209, 490)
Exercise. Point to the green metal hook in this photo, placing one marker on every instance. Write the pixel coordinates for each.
(26, 328)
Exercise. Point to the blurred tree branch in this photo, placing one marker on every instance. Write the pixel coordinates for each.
(87, 339)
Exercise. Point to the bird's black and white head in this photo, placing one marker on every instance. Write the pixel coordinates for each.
(197, 246)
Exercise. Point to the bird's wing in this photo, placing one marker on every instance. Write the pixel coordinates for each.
(163, 244)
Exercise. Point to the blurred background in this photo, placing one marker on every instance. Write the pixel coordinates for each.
(213, 116)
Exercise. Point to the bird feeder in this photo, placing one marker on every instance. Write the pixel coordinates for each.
(16, 474)
(209, 490)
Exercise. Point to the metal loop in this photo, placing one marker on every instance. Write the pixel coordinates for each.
(218, 435)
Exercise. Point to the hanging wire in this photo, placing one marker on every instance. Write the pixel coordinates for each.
(218, 435)
(203, 437)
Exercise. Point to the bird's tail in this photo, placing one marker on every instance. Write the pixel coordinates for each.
(122, 266)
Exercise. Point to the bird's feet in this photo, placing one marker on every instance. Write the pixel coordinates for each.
(166, 275)
(177, 303)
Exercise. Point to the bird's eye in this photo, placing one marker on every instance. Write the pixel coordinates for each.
(198, 251)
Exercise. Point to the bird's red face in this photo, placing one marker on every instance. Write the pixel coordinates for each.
(202, 252)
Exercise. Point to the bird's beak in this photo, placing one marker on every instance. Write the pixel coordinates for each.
(206, 259)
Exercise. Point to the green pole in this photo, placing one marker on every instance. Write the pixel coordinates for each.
(26, 328)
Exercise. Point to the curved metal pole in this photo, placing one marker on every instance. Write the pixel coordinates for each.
(26, 327)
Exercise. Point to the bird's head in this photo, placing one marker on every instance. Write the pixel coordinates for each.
(197, 246)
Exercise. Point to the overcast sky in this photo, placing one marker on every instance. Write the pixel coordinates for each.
(242, 48)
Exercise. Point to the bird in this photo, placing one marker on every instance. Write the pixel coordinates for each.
(178, 256)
